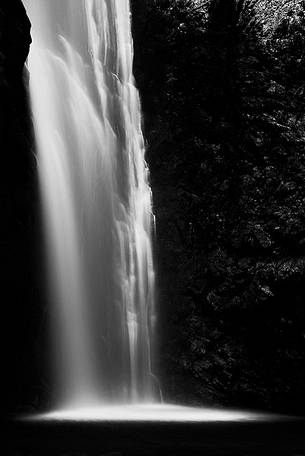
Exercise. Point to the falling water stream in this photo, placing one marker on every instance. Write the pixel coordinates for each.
(97, 212)
(96, 200)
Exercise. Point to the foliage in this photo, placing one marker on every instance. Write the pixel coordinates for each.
(223, 93)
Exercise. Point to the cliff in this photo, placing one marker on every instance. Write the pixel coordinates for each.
(20, 312)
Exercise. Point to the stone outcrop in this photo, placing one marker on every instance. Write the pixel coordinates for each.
(21, 314)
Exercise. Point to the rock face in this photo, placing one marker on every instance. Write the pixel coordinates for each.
(20, 314)
(222, 86)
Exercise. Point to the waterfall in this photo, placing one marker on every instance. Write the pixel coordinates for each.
(96, 200)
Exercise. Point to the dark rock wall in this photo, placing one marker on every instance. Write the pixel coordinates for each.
(222, 86)
(21, 317)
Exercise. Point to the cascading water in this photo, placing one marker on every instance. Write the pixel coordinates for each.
(97, 213)
(96, 199)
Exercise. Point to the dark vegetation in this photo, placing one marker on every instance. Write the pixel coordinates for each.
(223, 84)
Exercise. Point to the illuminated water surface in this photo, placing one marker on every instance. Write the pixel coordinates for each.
(153, 413)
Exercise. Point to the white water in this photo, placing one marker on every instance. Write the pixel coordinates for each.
(96, 200)
(154, 413)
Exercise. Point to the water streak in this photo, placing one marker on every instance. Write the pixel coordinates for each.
(96, 199)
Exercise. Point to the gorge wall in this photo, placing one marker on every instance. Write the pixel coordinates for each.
(21, 310)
